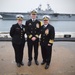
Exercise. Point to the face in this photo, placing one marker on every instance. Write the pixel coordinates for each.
(33, 16)
(19, 22)
(46, 22)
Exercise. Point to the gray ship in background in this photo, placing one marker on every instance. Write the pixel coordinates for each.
(64, 23)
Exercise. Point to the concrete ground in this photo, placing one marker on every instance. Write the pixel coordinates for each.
(63, 61)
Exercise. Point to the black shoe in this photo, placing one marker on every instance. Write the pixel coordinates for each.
(36, 62)
(18, 65)
(22, 63)
(47, 66)
(29, 63)
(43, 63)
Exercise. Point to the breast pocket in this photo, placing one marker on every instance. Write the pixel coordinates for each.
(18, 30)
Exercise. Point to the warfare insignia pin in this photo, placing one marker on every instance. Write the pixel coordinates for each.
(23, 29)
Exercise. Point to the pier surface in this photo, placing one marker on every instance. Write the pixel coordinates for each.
(63, 60)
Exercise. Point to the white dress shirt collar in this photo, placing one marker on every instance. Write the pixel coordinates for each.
(45, 25)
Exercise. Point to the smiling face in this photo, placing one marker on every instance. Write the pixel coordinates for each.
(33, 16)
(46, 22)
(19, 22)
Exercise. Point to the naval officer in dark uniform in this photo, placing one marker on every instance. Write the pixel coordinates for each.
(17, 33)
(47, 39)
(32, 30)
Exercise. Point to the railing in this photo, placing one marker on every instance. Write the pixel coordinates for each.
(59, 36)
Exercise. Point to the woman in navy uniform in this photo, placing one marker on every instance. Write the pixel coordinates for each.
(17, 33)
(32, 31)
(47, 39)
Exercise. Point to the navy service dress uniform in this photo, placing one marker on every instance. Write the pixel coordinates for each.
(47, 37)
(32, 30)
(17, 33)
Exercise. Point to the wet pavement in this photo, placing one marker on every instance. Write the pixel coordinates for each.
(63, 61)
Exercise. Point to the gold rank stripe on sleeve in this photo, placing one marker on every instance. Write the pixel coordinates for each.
(37, 36)
(30, 36)
(51, 41)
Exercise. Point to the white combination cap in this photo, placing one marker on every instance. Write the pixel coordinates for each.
(46, 17)
(19, 17)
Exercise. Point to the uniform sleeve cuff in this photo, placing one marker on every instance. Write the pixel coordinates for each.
(37, 36)
(30, 36)
(51, 41)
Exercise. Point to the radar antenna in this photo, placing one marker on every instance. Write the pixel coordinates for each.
(48, 7)
(39, 7)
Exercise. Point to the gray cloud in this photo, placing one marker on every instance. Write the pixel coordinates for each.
(60, 6)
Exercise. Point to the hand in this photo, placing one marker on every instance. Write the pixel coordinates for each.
(33, 38)
(49, 44)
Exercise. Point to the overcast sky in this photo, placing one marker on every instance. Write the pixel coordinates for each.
(60, 6)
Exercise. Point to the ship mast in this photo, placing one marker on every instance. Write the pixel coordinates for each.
(48, 8)
(39, 8)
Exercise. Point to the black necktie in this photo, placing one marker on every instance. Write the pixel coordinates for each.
(33, 20)
(45, 26)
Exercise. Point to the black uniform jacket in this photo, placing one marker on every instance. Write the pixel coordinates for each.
(33, 29)
(47, 35)
(17, 33)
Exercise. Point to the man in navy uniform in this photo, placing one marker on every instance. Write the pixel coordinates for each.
(17, 33)
(47, 39)
(32, 30)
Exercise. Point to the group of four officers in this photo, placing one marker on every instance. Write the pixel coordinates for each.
(33, 29)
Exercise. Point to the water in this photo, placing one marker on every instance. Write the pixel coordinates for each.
(64, 26)
(5, 25)
(60, 26)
